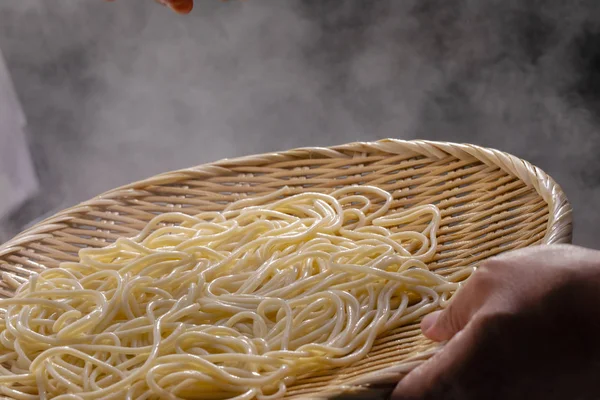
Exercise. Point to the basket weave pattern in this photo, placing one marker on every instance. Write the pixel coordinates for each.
(490, 202)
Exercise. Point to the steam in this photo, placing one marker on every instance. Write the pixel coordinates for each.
(117, 92)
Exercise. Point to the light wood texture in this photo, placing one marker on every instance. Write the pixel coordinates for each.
(491, 202)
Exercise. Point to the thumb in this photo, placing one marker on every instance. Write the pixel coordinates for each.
(438, 326)
(443, 325)
(433, 374)
(455, 324)
(466, 302)
(428, 323)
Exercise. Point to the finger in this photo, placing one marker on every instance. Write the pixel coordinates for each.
(430, 374)
(180, 6)
(429, 320)
(443, 325)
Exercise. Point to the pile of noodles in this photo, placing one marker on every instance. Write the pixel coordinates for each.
(233, 304)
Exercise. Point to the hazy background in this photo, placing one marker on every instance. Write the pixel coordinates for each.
(115, 92)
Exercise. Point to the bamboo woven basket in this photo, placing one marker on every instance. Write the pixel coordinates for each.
(491, 202)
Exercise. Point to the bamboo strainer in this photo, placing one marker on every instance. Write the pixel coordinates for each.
(490, 201)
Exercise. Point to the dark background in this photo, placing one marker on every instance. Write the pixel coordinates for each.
(115, 92)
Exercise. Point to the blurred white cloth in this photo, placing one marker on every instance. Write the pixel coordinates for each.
(18, 180)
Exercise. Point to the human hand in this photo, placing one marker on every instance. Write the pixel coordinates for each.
(526, 325)
(180, 6)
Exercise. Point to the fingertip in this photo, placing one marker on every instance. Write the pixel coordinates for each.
(429, 322)
(181, 6)
(437, 372)
(434, 327)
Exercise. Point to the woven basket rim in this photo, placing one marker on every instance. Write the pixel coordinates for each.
(558, 229)
(560, 223)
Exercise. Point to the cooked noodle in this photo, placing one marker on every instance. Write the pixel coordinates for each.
(233, 304)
